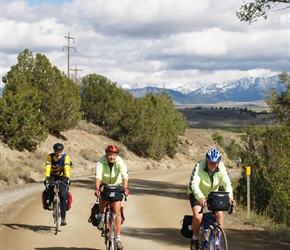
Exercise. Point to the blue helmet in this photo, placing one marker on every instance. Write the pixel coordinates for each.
(214, 155)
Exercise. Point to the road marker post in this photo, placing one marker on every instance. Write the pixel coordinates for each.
(248, 173)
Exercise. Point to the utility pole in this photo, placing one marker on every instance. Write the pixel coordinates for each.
(76, 72)
(68, 50)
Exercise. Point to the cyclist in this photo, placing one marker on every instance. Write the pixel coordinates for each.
(207, 175)
(57, 167)
(111, 169)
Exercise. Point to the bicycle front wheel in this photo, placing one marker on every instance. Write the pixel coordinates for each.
(217, 239)
(113, 233)
(56, 214)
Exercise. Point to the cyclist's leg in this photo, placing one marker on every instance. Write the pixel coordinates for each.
(63, 204)
(196, 221)
(102, 205)
(51, 190)
(117, 212)
(197, 217)
(219, 218)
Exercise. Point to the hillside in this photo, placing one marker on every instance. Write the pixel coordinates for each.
(86, 143)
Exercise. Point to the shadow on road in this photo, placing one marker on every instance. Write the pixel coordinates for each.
(88, 183)
(158, 188)
(34, 228)
(143, 187)
(169, 236)
(64, 248)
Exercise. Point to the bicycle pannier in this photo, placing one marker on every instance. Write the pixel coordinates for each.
(122, 215)
(112, 193)
(69, 200)
(45, 199)
(94, 213)
(218, 201)
(186, 229)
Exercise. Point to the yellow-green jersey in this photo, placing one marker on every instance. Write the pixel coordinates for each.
(111, 175)
(202, 181)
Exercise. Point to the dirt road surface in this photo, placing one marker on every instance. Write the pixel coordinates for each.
(153, 213)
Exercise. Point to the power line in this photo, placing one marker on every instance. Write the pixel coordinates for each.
(68, 50)
(76, 74)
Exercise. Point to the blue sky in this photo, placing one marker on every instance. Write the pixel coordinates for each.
(38, 2)
(163, 43)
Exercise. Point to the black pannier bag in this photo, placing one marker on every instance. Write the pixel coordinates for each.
(218, 201)
(112, 193)
(94, 213)
(186, 228)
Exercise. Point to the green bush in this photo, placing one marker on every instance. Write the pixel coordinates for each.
(216, 136)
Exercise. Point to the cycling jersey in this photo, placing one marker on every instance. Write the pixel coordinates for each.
(202, 181)
(111, 175)
(56, 166)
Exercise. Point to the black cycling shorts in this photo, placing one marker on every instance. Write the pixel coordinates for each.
(193, 201)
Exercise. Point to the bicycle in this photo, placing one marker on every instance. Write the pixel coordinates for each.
(56, 203)
(111, 193)
(212, 236)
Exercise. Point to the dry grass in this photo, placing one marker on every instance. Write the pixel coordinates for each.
(266, 228)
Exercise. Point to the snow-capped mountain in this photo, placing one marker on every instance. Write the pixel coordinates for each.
(247, 89)
(185, 89)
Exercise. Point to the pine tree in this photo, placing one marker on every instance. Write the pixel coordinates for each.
(37, 98)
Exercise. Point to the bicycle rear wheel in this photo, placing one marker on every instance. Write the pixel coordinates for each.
(217, 239)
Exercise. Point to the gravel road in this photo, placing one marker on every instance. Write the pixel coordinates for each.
(153, 213)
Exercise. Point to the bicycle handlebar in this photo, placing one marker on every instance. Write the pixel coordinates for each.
(123, 195)
(54, 183)
(231, 210)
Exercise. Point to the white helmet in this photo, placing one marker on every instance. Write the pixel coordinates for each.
(214, 155)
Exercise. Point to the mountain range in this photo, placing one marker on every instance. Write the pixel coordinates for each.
(248, 89)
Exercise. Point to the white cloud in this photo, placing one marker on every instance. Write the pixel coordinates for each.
(154, 42)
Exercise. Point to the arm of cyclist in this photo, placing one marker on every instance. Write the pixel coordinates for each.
(195, 184)
(97, 185)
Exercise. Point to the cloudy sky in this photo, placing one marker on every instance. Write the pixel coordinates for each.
(164, 43)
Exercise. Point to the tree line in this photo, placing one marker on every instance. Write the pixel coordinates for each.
(38, 99)
(267, 153)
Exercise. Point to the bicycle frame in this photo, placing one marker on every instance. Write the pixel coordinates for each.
(109, 230)
(213, 235)
(56, 204)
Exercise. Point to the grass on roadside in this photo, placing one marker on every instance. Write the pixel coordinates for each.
(275, 232)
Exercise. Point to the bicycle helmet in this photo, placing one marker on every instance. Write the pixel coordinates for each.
(58, 146)
(214, 155)
(239, 159)
(112, 148)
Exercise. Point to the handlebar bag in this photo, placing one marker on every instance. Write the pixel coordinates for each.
(112, 193)
(218, 201)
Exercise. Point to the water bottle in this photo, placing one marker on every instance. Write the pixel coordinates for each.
(206, 234)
